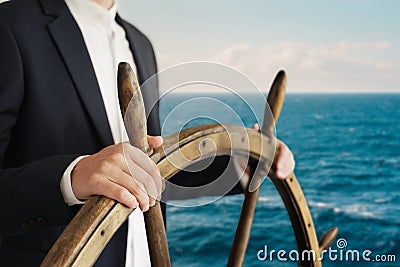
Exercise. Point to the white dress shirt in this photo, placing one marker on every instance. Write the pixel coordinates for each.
(107, 46)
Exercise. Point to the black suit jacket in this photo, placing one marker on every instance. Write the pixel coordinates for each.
(51, 111)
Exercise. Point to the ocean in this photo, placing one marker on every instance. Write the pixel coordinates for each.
(347, 152)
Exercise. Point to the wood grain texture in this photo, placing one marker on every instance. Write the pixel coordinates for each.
(274, 104)
(289, 190)
(76, 235)
(135, 121)
(327, 238)
(132, 107)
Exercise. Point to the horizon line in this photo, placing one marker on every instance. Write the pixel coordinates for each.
(287, 92)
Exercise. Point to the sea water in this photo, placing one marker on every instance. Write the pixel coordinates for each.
(347, 152)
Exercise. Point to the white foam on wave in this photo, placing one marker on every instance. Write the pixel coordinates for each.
(318, 116)
(323, 205)
(358, 210)
(319, 204)
(382, 200)
(391, 160)
(264, 199)
(336, 210)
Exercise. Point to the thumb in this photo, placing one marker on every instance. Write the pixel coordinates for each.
(155, 141)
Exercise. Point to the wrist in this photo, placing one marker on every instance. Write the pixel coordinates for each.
(66, 184)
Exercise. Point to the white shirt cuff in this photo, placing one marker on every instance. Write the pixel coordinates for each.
(66, 186)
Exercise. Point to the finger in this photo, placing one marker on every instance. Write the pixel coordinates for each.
(135, 187)
(141, 166)
(283, 170)
(255, 126)
(155, 141)
(285, 161)
(152, 184)
(140, 159)
(143, 198)
(147, 178)
(281, 165)
(117, 192)
(290, 165)
(124, 179)
(116, 158)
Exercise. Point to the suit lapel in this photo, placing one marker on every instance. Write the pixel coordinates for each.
(69, 40)
(135, 46)
(146, 67)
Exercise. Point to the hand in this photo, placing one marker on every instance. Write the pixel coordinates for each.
(121, 172)
(284, 162)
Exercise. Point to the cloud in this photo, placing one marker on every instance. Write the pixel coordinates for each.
(343, 66)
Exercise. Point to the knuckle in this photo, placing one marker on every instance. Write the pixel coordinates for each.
(147, 184)
(119, 193)
(118, 157)
(280, 165)
(118, 147)
(139, 153)
(135, 184)
(105, 167)
(138, 187)
(154, 173)
(146, 199)
(143, 199)
(130, 149)
(94, 182)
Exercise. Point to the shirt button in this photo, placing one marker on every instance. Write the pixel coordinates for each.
(25, 226)
(41, 222)
(33, 224)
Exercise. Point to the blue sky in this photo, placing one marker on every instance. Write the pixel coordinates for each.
(348, 46)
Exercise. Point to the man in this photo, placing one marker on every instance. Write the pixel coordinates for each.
(60, 129)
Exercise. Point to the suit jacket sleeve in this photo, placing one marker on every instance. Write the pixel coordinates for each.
(30, 191)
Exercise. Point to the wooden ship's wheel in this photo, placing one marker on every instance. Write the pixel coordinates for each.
(94, 225)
